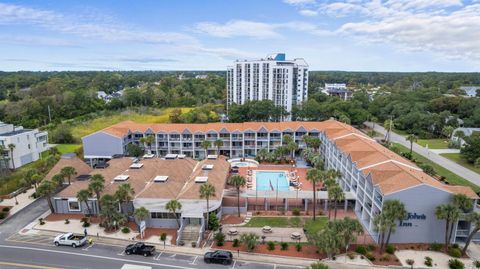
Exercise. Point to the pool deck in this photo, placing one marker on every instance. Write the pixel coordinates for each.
(301, 172)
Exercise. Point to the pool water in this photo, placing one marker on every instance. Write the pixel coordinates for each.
(267, 181)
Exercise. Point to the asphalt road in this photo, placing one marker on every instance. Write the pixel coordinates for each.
(434, 157)
(38, 251)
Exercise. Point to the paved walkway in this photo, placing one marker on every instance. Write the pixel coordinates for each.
(434, 157)
(23, 199)
(440, 151)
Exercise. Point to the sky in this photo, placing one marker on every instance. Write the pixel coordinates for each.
(350, 35)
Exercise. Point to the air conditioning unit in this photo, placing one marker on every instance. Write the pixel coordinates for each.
(136, 165)
(207, 167)
(201, 179)
(121, 178)
(160, 179)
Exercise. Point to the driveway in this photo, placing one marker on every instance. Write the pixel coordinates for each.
(434, 157)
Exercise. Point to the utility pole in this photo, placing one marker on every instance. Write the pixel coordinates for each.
(390, 129)
(49, 114)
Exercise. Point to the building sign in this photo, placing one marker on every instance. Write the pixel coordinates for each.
(407, 222)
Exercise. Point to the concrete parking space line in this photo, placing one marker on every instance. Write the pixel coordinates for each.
(234, 263)
(194, 260)
(88, 247)
(121, 253)
(158, 256)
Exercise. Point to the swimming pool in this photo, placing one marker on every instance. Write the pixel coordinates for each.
(269, 180)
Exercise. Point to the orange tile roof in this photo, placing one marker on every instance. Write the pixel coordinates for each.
(81, 168)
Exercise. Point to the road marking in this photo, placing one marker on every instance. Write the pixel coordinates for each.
(121, 253)
(275, 266)
(234, 262)
(88, 247)
(173, 256)
(97, 256)
(194, 260)
(27, 265)
(158, 256)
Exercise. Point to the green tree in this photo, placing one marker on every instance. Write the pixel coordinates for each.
(317, 265)
(109, 214)
(173, 206)
(474, 219)
(83, 196)
(238, 182)
(388, 125)
(97, 185)
(381, 225)
(58, 179)
(28, 177)
(314, 175)
(134, 150)
(46, 189)
(336, 194)
(218, 143)
(411, 138)
(250, 240)
(327, 240)
(205, 144)
(450, 214)
(471, 148)
(447, 131)
(395, 211)
(141, 214)
(11, 147)
(147, 142)
(262, 154)
(207, 190)
(68, 172)
(124, 194)
(349, 230)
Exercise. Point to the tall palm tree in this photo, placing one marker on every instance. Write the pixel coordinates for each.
(388, 125)
(314, 176)
(350, 229)
(141, 214)
(111, 218)
(381, 224)
(207, 190)
(411, 138)
(11, 147)
(218, 143)
(395, 211)
(58, 180)
(28, 177)
(46, 189)
(147, 140)
(205, 144)
(97, 185)
(238, 182)
(173, 206)
(474, 219)
(334, 174)
(262, 154)
(124, 194)
(335, 193)
(83, 196)
(450, 214)
(462, 201)
(68, 172)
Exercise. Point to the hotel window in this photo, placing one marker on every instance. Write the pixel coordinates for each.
(73, 205)
(161, 215)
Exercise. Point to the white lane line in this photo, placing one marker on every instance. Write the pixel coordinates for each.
(121, 253)
(173, 256)
(158, 256)
(89, 246)
(98, 257)
(275, 266)
(234, 262)
(194, 260)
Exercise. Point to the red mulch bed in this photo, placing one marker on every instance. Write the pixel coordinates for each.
(58, 217)
(306, 252)
(232, 219)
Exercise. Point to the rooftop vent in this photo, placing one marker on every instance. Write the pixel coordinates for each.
(201, 179)
(148, 156)
(181, 156)
(207, 167)
(160, 179)
(136, 165)
(212, 157)
(121, 178)
(171, 156)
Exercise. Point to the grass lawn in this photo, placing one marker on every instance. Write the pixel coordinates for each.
(452, 178)
(438, 143)
(67, 148)
(268, 221)
(456, 157)
(85, 128)
(313, 227)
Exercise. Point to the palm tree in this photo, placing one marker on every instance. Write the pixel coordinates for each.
(173, 206)
(11, 147)
(336, 194)
(207, 190)
(238, 182)
(97, 185)
(68, 172)
(58, 179)
(83, 196)
(412, 138)
(141, 214)
(350, 229)
(317, 265)
(250, 240)
(124, 194)
(147, 140)
(450, 214)
(111, 218)
(218, 143)
(395, 210)
(262, 154)
(314, 176)
(388, 125)
(381, 224)
(205, 145)
(474, 219)
(292, 147)
(462, 201)
(46, 189)
(28, 177)
(374, 120)
(447, 131)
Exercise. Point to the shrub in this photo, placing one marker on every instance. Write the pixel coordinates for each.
(296, 212)
(428, 261)
(41, 221)
(390, 249)
(351, 255)
(295, 221)
(455, 245)
(371, 247)
(86, 224)
(220, 239)
(284, 246)
(213, 223)
(163, 237)
(476, 264)
(362, 250)
(67, 221)
(194, 244)
(271, 245)
(410, 262)
(125, 230)
(236, 243)
(370, 256)
(385, 257)
(3, 215)
(436, 246)
(298, 247)
(455, 264)
(6, 209)
(455, 252)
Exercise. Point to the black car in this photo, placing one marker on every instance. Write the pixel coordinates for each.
(219, 256)
(140, 249)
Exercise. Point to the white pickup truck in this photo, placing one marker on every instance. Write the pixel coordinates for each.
(70, 239)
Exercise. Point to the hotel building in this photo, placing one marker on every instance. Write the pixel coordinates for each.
(285, 82)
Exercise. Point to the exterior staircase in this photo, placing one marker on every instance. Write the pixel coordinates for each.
(190, 234)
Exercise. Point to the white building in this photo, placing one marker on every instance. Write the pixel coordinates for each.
(285, 82)
(337, 89)
(29, 144)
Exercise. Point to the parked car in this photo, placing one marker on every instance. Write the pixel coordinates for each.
(140, 249)
(219, 256)
(70, 239)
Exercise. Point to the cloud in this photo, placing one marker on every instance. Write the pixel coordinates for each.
(308, 12)
(299, 2)
(146, 59)
(36, 41)
(253, 29)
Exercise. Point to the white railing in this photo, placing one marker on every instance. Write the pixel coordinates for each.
(200, 233)
(180, 231)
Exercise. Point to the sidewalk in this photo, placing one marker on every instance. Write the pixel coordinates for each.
(23, 199)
